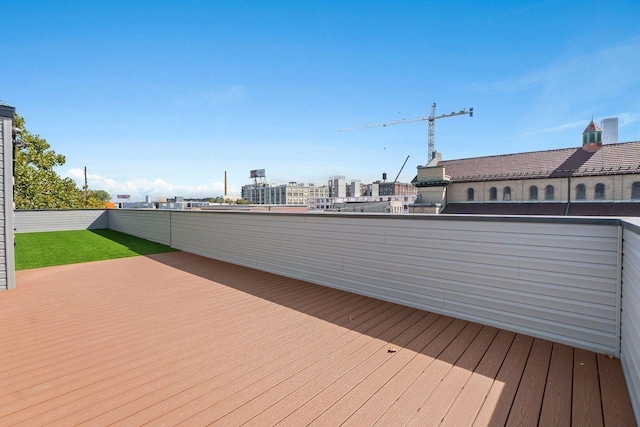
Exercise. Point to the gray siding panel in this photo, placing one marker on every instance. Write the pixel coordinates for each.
(630, 321)
(60, 220)
(556, 280)
(4, 285)
(7, 268)
(146, 224)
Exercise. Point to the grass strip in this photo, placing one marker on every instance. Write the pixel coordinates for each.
(46, 249)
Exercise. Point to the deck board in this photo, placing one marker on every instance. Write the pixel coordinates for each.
(469, 401)
(525, 409)
(587, 406)
(177, 338)
(556, 407)
(615, 399)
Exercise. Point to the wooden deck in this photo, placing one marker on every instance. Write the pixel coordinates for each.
(179, 339)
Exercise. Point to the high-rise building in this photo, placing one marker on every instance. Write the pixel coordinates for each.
(609, 130)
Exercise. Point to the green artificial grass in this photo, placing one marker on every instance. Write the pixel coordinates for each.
(35, 250)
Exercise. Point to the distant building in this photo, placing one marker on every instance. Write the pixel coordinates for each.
(356, 189)
(381, 204)
(609, 130)
(397, 189)
(595, 179)
(372, 189)
(337, 186)
(292, 193)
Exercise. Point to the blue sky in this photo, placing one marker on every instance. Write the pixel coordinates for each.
(161, 98)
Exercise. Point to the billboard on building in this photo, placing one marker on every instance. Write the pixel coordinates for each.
(257, 173)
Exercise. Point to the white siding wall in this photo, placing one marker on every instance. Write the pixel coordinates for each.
(60, 220)
(7, 279)
(153, 225)
(630, 333)
(555, 279)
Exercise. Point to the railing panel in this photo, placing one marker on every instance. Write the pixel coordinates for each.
(556, 279)
(32, 221)
(630, 320)
(147, 224)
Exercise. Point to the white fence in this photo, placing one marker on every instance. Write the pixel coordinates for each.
(153, 225)
(630, 322)
(60, 220)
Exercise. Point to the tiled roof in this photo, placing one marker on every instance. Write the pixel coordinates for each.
(610, 159)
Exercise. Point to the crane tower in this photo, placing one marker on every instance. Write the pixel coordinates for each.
(431, 118)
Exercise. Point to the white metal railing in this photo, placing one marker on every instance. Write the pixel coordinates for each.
(630, 311)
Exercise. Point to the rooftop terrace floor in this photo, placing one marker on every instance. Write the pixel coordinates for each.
(180, 339)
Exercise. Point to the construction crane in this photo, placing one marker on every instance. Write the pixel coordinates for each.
(432, 125)
(398, 176)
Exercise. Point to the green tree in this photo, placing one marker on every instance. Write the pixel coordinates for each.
(37, 185)
(97, 199)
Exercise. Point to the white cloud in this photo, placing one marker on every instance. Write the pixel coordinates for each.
(553, 129)
(625, 119)
(587, 76)
(139, 188)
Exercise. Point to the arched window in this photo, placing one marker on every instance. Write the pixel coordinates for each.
(533, 192)
(635, 190)
(506, 193)
(581, 192)
(470, 194)
(549, 192)
(599, 192)
(493, 193)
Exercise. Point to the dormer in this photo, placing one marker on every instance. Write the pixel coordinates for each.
(592, 137)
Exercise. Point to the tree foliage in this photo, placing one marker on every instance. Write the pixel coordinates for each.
(36, 183)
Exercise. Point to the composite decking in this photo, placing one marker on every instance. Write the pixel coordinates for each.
(177, 339)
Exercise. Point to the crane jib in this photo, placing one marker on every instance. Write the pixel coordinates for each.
(431, 119)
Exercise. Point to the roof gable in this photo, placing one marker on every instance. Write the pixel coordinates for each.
(592, 127)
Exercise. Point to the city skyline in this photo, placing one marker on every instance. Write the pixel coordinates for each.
(161, 99)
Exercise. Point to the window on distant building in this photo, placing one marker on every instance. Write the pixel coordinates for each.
(493, 193)
(533, 192)
(599, 193)
(470, 194)
(581, 192)
(635, 190)
(506, 193)
(549, 192)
